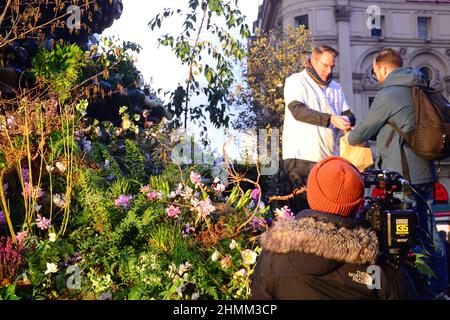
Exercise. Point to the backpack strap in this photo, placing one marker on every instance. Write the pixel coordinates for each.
(405, 166)
(394, 127)
(405, 137)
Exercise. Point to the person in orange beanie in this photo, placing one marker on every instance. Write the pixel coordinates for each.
(324, 252)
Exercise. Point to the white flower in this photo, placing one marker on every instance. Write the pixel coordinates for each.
(233, 244)
(216, 180)
(215, 256)
(249, 256)
(37, 207)
(241, 273)
(180, 290)
(51, 268)
(52, 237)
(61, 167)
(184, 267)
(59, 200)
(172, 195)
(195, 296)
(219, 188)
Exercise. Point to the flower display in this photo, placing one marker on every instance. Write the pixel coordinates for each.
(123, 201)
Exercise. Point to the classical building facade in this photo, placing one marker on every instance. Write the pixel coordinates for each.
(419, 29)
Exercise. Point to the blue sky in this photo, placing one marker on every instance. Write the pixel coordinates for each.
(159, 65)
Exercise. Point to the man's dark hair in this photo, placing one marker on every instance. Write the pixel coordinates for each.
(390, 57)
(318, 50)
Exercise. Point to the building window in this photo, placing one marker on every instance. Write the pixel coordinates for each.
(377, 32)
(302, 21)
(370, 101)
(423, 28)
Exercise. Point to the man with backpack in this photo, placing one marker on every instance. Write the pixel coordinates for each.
(391, 115)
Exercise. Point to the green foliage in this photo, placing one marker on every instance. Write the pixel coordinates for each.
(160, 183)
(164, 238)
(422, 265)
(134, 161)
(272, 57)
(119, 187)
(60, 142)
(9, 293)
(118, 59)
(94, 206)
(61, 67)
(217, 18)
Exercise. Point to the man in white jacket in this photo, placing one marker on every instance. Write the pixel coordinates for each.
(315, 111)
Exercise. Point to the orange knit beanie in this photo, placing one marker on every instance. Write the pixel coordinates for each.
(335, 186)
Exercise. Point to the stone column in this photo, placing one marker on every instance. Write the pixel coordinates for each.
(342, 13)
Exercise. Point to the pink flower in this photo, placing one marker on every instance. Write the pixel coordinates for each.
(123, 201)
(204, 208)
(21, 235)
(32, 192)
(284, 213)
(196, 179)
(152, 196)
(173, 212)
(226, 262)
(145, 189)
(255, 194)
(43, 223)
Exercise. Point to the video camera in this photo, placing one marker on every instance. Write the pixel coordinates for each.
(390, 213)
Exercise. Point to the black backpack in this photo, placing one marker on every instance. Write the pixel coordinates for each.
(431, 137)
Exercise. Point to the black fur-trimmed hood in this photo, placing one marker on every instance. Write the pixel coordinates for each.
(313, 234)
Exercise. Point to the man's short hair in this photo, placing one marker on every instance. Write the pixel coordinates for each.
(317, 51)
(390, 57)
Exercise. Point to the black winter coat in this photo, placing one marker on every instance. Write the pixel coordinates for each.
(323, 256)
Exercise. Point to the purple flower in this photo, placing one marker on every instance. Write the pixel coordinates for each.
(2, 218)
(255, 194)
(187, 230)
(32, 192)
(25, 176)
(257, 223)
(43, 223)
(123, 201)
(196, 179)
(173, 212)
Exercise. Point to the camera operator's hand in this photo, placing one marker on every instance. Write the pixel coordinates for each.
(340, 122)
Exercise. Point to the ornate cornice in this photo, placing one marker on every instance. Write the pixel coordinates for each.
(342, 13)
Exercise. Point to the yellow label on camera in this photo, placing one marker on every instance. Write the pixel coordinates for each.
(401, 229)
